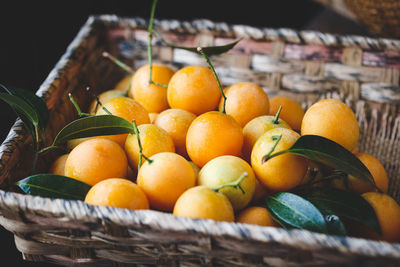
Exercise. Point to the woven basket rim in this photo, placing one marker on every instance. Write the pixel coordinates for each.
(159, 221)
(288, 35)
(81, 211)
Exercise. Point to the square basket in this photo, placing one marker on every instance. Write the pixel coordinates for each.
(308, 66)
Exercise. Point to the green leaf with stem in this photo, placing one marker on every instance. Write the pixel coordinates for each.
(29, 117)
(22, 107)
(54, 186)
(235, 184)
(200, 50)
(345, 204)
(93, 126)
(209, 50)
(329, 153)
(293, 211)
(141, 155)
(34, 101)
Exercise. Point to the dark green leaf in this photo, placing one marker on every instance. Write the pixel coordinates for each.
(27, 113)
(334, 224)
(208, 50)
(35, 101)
(330, 153)
(291, 210)
(54, 186)
(93, 126)
(344, 204)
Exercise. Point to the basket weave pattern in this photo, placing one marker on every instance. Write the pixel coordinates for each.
(308, 66)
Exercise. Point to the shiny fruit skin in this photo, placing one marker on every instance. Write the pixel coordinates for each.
(58, 166)
(292, 112)
(201, 202)
(103, 98)
(245, 101)
(195, 89)
(95, 160)
(227, 169)
(282, 172)
(257, 216)
(153, 116)
(378, 173)
(152, 97)
(153, 139)
(165, 179)
(388, 212)
(119, 193)
(176, 123)
(127, 108)
(124, 84)
(332, 119)
(260, 192)
(257, 127)
(211, 135)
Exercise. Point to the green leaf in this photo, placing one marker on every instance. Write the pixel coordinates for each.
(291, 210)
(344, 204)
(330, 153)
(334, 224)
(54, 186)
(208, 50)
(23, 109)
(34, 101)
(93, 126)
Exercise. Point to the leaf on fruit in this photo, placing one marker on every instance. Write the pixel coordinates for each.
(330, 153)
(208, 50)
(54, 186)
(344, 204)
(34, 101)
(93, 126)
(293, 211)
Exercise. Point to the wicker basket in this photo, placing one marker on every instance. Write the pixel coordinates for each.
(305, 65)
(379, 17)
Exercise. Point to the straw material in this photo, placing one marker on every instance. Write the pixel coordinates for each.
(308, 66)
(379, 17)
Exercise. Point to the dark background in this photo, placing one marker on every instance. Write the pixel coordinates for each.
(35, 34)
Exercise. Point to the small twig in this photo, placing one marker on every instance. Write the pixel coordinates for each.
(235, 184)
(80, 113)
(118, 62)
(150, 46)
(141, 155)
(276, 118)
(200, 50)
(98, 102)
(51, 147)
(275, 138)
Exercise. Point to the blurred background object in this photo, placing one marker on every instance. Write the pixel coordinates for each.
(380, 17)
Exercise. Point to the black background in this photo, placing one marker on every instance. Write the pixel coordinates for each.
(35, 34)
